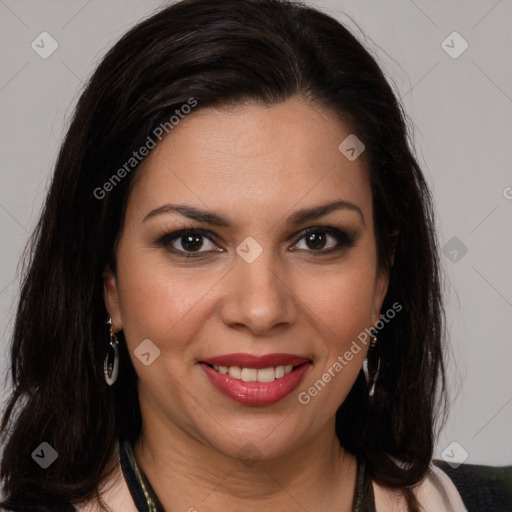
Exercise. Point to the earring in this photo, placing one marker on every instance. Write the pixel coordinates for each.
(111, 362)
(371, 374)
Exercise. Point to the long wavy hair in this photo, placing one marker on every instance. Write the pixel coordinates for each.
(219, 52)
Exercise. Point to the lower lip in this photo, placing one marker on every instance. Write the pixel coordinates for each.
(256, 393)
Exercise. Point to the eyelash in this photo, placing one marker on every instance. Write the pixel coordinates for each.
(343, 239)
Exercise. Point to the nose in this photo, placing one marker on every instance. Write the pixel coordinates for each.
(258, 296)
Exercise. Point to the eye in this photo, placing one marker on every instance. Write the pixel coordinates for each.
(324, 240)
(190, 243)
(187, 242)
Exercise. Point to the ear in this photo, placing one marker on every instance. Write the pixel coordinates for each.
(382, 280)
(111, 298)
(392, 246)
(379, 293)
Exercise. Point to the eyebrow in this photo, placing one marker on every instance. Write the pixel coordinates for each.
(209, 217)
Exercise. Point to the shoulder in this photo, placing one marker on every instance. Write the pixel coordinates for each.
(435, 493)
(114, 492)
(116, 495)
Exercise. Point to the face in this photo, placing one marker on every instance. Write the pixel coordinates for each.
(222, 253)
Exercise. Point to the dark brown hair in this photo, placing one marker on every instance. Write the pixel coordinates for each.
(219, 52)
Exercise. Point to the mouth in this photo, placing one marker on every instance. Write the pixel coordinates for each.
(263, 375)
(253, 381)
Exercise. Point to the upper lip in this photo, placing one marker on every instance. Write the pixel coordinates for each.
(251, 361)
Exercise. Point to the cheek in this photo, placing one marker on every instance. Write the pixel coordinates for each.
(341, 310)
(341, 300)
(158, 301)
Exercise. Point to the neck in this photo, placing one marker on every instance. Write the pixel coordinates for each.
(186, 473)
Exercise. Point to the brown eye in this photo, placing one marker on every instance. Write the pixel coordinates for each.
(191, 242)
(324, 240)
(188, 243)
(316, 240)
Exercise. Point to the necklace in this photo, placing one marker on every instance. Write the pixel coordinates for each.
(146, 499)
(142, 493)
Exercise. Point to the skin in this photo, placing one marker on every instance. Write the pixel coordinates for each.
(255, 165)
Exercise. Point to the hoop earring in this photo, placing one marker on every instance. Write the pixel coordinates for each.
(371, 374)
(111, 362)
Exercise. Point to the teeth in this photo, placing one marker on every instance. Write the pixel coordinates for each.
(235, 372)
(264, 374)
(254, 375)
(249, 374)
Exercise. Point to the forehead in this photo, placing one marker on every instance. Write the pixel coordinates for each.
(254, 159)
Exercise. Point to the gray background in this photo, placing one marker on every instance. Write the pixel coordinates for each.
(461, 110)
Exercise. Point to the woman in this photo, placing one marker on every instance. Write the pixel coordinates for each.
(233, 299)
